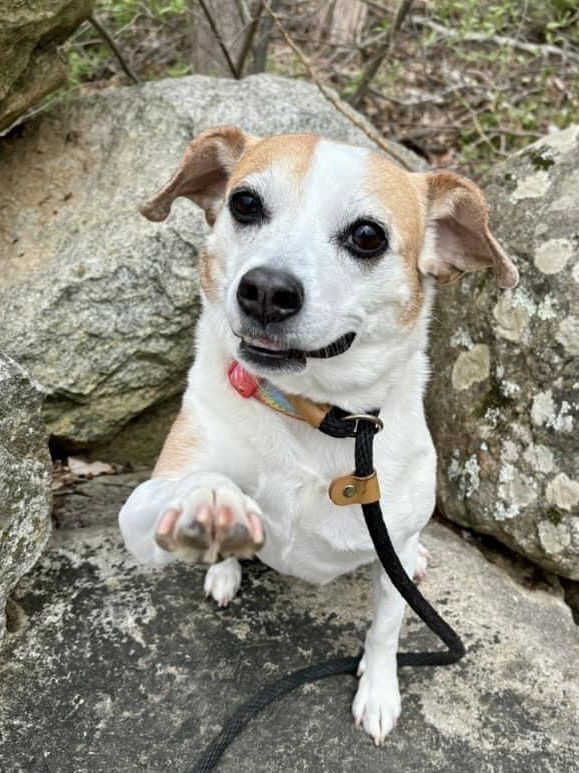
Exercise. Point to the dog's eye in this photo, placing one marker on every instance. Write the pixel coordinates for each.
(246, 207)
(365, 239)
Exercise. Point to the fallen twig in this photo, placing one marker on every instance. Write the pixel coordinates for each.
(538, 49)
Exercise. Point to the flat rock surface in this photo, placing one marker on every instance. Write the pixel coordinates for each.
(120, 668)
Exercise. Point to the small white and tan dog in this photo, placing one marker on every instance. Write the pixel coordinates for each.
(318, 276)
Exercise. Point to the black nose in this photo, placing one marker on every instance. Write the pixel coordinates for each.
(268, 295)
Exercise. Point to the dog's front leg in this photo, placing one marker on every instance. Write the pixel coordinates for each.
(197, 518)
(190, 513)
(376, 706)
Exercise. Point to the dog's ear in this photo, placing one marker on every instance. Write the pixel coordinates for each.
(203, 173)
(458, 219)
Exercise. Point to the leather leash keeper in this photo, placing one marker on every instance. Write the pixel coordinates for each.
(354, 490)
(362, 427)
(357, 489)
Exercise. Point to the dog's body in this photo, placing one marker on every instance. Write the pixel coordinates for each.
(287, 276)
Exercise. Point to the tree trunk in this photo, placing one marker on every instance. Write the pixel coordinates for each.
(208, 55)
(342, 22)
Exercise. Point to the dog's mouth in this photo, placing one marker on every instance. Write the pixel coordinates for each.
(268, 353)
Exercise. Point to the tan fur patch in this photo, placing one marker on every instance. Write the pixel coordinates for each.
(295, 151)
(399, 194)
(209, 276)
(180, 449)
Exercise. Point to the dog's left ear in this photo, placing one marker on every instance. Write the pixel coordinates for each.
(203, 173)
(458, 218)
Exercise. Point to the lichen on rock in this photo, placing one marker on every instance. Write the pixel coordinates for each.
(516, 411)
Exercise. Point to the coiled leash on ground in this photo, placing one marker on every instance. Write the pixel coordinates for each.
(363, 428)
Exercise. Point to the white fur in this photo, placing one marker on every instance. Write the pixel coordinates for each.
(222, 581)
(285, 465)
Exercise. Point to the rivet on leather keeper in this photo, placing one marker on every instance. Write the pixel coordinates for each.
(352, 490)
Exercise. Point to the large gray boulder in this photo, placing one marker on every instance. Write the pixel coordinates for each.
(30, 64)
(98, 303)
(504, 398)
(24, 479)
(124, 668)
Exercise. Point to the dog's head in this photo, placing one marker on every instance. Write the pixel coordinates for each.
(320, 248)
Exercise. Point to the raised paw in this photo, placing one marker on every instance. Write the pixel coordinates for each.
(376, 707)
(211, 522)
(222, 581)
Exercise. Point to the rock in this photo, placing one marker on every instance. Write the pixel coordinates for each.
(503, 403)
(140, 441)
(571, 590)
(30, 64)
(95, 501)
(25, 474)
(99, 304)
(120, 668)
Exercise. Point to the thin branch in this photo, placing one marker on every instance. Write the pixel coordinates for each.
(218, 38)
(107, 37)
(401, 13)
(334, 99)
(369, 72)
(248, 42)
(374, 64)
(478, 126)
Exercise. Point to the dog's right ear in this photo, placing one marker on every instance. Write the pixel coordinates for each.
(203, 173)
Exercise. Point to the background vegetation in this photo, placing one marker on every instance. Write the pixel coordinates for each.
(464, 82)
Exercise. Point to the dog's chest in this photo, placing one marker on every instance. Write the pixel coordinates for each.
(307, 535)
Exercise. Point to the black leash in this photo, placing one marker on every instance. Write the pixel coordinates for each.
(338, 424)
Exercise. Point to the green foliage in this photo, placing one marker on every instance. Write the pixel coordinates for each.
(85, 66)
(124, 11)
(506, 16)
(506, 118)
(90, 59)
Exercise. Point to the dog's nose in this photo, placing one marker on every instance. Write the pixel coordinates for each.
(269, 295)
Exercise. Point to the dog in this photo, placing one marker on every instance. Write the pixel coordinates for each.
(317, 280)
